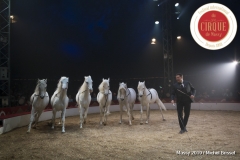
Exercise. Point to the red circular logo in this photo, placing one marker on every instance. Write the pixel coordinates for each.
(213, 26)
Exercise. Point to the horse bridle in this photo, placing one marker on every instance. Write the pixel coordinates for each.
(35, 95)
(59, 91)
(86, 89)
(108, 91)
(39, 95)
(106, 96)
(128, 92)
(148, 93)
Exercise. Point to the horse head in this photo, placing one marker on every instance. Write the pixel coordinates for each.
(141, 88)
(88, 81)
(122, 91)
(64, 82)
(104, 87)
(42, 87)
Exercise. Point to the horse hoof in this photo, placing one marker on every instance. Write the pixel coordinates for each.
(141, 123)
(63, 131)
(28, 131)
(120, 122)
(130, 124)
(146, 122)
(80, 126)
(133, 118)
(104, 124)
(164, 119)
(84, 122)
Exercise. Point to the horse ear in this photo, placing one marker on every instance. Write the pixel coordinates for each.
(103, 79)
(144, 82)
(46, 80)
(108, 79)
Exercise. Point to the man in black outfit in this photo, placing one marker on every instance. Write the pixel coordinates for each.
(184, 93)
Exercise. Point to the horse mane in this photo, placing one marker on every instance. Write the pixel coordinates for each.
(118, 95)
(83, 86)
(100, 87)
(59, 88)
(36, 91)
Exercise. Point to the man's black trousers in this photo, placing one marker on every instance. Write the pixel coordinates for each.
(186, 106)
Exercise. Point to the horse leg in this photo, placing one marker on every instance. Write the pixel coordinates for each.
(81, 115)
(85, 114)
(53, 118)
(131, 109)
(129, 114)
(36, 119)
(141, 120)
(106, 115)
(108, 110)
(162, 113)
(147, 113)
(121, 109)
(63, 120)
(101, 114)
(31, 119)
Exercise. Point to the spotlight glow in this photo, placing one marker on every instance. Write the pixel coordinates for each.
(177, 4)
(235, 62)
(156, 22)
(153, 40)
(179, 37)
(177, 17)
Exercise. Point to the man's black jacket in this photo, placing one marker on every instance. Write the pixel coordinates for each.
(188, 89)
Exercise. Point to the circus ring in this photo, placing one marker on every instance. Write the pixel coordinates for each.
(213, 130)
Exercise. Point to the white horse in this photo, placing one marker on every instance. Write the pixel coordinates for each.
(104, 99)
(39, 101)
(59, 101)
(146, 97)
(83, 98)
(126, 97)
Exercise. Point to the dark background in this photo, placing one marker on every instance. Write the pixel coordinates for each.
(110, 38)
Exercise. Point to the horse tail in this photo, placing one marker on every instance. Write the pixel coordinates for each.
(160, 104)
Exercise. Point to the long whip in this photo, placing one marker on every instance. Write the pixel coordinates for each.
(185, 94)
